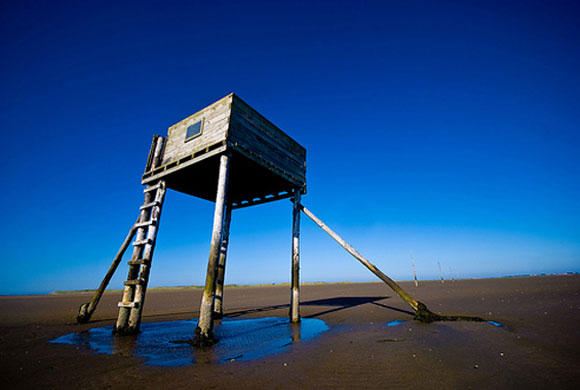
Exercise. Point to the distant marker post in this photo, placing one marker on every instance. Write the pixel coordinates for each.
(414, 271)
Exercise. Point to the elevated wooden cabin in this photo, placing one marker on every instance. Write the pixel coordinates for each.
(230, 154)
(266, 163)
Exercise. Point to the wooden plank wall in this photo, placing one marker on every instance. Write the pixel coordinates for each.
(215, 127)
(268, 145)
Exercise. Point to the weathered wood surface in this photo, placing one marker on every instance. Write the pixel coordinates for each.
(221, 268)
(204, 329)
(251, 132)
(214, 129)
(87, 309)
(390, 282)
(292, 178)
(128, 291)
(158, 152)
(295, 282)
(147, 256)
(184, 162)
(155, 157)
(151, 153)
(271, 160)
(132, 301)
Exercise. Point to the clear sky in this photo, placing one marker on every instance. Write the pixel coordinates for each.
(451, 128)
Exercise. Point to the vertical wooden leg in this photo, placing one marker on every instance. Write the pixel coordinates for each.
(204, 329)
(218, 309)
(295, 294)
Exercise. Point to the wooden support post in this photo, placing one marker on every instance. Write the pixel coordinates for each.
(87, 309)
(414, 271)
(158, 153)
(390, 282)
(218, 309)
(296, 332)
(204, 329)
(295, 292)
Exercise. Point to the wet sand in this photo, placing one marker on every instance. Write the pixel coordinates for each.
(538, 345)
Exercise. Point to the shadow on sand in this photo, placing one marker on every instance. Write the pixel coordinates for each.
(336, 304)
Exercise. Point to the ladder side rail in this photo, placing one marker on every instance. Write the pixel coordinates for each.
(129, 290)
(145, 268)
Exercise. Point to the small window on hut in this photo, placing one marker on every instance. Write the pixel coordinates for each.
(193, 130)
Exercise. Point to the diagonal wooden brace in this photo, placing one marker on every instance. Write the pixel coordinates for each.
(416, 305)
(87, 309)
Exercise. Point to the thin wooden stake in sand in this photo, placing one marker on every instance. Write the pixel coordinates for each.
(414, 271)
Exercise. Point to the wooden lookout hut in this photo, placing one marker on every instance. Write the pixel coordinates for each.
(229, 154)
(266, 163)
(226, 153)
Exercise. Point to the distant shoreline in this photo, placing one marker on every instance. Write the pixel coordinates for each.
(180, 288)
(286, 284)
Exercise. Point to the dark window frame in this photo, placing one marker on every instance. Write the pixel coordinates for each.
(197, 134)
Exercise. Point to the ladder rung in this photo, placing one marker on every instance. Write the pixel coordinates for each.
(129, 305)
(152, 188)
(149, 205)
(133, 282)
(146, 223)
(142, 242)
(137, 262)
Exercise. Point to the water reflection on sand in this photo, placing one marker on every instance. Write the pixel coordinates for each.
(165, 343)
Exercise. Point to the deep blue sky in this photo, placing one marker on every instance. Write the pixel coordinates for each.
(448, 128)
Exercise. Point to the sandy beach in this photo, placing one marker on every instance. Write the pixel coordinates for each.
(537, 346)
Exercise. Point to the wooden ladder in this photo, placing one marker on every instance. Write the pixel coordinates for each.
(131, 305)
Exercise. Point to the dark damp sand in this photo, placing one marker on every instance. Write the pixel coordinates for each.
(538, 347)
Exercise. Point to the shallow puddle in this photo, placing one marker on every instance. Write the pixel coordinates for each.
(163, 343)
(395, 323)
(399, 322)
